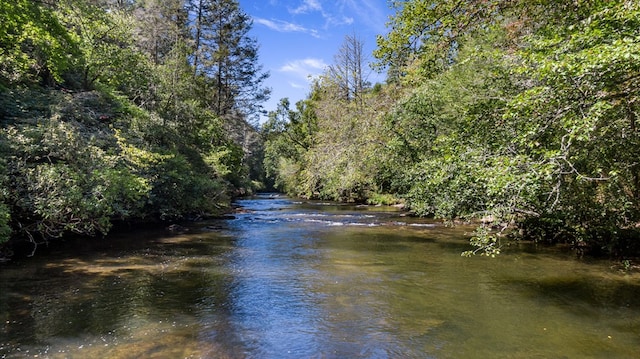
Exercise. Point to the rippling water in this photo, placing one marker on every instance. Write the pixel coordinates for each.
(300, 279)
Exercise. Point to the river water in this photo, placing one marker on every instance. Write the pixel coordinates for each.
(301, 279)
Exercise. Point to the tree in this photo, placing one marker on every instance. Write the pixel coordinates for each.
(573, 107)
(424, 35)
(227, 57)
(288, 135)
(103, 119)
(520, 114)
(34, 44)
(348, 70)
(581, 118)
(108, 52)
(160, 25)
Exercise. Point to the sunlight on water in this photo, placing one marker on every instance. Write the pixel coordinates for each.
(301, 279)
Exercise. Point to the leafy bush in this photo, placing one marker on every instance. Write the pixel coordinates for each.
(179, 188)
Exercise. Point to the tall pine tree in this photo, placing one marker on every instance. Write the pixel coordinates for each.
(227, 57)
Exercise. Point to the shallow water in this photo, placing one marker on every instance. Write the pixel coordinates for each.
(299, 279)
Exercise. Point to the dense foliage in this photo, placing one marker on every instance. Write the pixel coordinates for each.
(519, 114)
(106, 115)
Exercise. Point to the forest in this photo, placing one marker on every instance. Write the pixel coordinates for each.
(517, 115)
(117, 112)
(520, 116)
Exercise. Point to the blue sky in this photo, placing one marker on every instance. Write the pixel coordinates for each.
(299, 38)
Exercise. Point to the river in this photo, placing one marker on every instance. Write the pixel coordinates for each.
(289, 278)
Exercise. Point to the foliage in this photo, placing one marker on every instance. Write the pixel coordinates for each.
(586, 105)
(566, 119)
(108, 55)
(5, 213)
(63, 180)
(34, 45)
(288, 134)
(227, 57)
(179, 188)
(517, 114)
(486, 243)
(425, 37)
(102, 118)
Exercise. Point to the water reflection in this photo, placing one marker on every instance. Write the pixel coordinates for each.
(288, 279)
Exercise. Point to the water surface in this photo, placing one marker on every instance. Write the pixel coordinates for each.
(300, 279)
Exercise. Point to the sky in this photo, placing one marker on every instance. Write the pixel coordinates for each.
(299, 38)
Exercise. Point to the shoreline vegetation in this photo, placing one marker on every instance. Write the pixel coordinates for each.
(512, 111)
(509, 114)
(117, 111)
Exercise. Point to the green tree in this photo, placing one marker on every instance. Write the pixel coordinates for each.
(125, 133)
(34, 45)
(109, 55)
(227, 57)
(159, 27)
(581, 120)
(567, 115)
(288, 135)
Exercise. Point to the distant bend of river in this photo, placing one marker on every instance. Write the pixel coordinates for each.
(288, 278)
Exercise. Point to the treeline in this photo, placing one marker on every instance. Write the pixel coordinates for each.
(522, 115)
(118, 110)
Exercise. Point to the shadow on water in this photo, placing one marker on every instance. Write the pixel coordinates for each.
(579, 292)
(118, 299)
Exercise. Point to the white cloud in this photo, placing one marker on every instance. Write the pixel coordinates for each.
(284, 26)
(371, 12)
(304, 68)
(335, 21)
(332, 17)
(306, 7)
(296, 85)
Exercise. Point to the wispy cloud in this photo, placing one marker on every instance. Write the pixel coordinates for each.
(370, 12)
(298, 86)
(337, 20)
(284, 26)
(332, 18)
(306, 7)
(304, 68)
